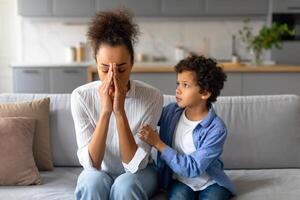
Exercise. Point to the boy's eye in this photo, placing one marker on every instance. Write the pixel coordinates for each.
(186, 85)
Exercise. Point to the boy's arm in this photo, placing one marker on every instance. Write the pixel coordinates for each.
(195, 164)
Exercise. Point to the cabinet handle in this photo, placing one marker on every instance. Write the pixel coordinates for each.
(294, 8)
(70, 71)
(31, 71)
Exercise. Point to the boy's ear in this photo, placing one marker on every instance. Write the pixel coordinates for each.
(205, 95)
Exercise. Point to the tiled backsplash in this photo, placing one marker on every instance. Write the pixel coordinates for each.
(47, 41)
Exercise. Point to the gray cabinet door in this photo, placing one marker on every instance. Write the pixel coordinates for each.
(35, 8)
(286, 6)
(233, 85)
(236, 7)
(182, 7)
(138, 7)
(74, 8)
(65, 80)
(271, 83)
(165, 82)
(30, 80)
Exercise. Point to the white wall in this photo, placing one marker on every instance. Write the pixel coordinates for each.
(9, 42)
(46, 41)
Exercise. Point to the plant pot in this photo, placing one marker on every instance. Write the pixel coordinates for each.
(256, 57)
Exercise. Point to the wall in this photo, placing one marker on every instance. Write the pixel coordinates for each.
(46, 41)
(10, 42)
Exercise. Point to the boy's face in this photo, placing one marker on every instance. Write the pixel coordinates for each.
(187, 91)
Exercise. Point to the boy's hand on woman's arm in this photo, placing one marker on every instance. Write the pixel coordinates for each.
(149, 135)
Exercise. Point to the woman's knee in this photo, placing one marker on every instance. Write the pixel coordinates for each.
(127, 186)
(93, 182)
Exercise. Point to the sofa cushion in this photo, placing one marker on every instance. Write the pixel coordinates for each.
(266, 184)
(39, 110)
(263, 131)
(62, 131)
(16, 156)
(58, 184)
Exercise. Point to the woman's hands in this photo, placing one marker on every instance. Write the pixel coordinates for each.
(112, 92)
(105, 92)
(120, 90)
(149, 135)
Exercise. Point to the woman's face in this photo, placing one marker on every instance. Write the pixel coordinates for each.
(114, 54)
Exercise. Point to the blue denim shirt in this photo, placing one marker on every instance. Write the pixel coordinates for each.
(208, 136)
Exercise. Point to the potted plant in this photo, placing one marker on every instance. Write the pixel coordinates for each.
(267, 38)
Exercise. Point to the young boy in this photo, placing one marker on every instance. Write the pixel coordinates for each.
(192, 136)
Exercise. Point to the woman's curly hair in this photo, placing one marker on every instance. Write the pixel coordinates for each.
(210, 76)
(113, 28)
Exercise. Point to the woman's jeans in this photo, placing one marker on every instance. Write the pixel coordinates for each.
(94, 185)
(180, 191)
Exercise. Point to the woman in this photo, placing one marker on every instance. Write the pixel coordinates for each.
(108, 113)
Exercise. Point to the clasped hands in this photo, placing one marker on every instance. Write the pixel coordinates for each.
(112, 92)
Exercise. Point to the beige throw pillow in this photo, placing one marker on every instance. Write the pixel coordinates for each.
(38, 110)
(16, 157)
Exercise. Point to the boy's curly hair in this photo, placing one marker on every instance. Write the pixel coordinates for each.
(210, 76)
(113, 28)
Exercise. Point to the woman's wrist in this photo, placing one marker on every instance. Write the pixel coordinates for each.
(105, 113)
(120, 112)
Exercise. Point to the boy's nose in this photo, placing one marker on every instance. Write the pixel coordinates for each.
(178, 90)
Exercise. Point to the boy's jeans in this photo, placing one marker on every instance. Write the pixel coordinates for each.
(94, 184)
(181, 191)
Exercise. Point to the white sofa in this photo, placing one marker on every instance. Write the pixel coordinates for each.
(261, 154)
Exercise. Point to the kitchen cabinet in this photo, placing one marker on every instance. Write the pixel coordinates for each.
(271, 83)
(138, 7)
(74, 8)
(65, 80)
(233, 86)
(30, 80)
(146, 8)
(286, 6)
(237, 84)
(56, 8)
(35, 8)
(48, 79)
(183, 8)
(165, 82)
(244, 80)
(236, 7)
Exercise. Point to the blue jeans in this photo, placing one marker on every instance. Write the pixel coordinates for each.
(94, 185)
(180, 191)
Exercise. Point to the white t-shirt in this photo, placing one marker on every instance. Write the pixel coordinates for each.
(143, 104)
(183, 143)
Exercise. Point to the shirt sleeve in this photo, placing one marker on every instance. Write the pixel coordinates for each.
(83, 128)
(195, 164)
(151, 117)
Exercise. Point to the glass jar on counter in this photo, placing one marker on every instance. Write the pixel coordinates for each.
(80, 49)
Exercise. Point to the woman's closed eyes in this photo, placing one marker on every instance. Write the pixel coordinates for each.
(121, 68)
